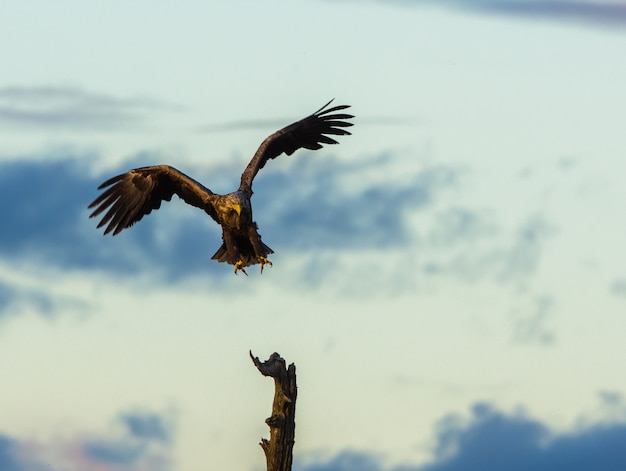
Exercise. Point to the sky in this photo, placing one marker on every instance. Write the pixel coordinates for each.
(449, 280)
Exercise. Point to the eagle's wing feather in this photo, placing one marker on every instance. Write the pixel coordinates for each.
(132, 195)
(308, 133)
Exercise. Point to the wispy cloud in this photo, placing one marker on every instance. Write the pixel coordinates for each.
(470, 244)
(618, 287)
(71, 107)
(274, 124)
(15, 298)
(525, 254)
(531, 322)
(147, 426)
(244, 124)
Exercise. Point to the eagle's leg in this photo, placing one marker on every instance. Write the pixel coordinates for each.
(260, 249)
(263, 261)
(234, 256)
(239, 266)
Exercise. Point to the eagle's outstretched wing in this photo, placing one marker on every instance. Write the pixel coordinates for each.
(134, 194)
(308, 133)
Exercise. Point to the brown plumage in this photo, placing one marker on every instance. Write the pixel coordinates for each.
(130, 196)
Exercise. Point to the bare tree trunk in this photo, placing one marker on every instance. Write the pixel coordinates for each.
(279, 449)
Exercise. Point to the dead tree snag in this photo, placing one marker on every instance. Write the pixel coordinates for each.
(279, 449)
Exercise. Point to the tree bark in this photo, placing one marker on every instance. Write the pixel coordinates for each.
(279, 449)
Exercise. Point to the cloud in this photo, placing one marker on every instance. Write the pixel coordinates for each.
(139, 446)
(244, 124)
(493, 440)
(457, 225)
(146, 435)
(326, 214)
(41, 203)
(112, 452)
(338, 205)
(524, 256)
(309, 208)
(530, 325)
(72, 108)
(265, 124)
(14, 298)
(141, 431)
(7, 296)
(589, 12)
(8, 462)
(593, 13)
(344, 461)
(618, 287)
(471, 244)
(44, 206)
(304, 206)
(147, 426)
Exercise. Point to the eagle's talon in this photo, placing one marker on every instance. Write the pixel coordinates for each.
(239, 266)
(264, 261)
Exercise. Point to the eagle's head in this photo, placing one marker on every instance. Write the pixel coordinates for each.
(234, 210)
(231, 214)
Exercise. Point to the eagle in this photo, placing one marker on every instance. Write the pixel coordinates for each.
(128, 197)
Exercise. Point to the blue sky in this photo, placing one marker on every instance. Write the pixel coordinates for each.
(449, 280)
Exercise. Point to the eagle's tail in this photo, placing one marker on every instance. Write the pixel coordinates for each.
(246, 252)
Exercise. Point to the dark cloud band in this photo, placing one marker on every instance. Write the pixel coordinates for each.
(493, 440)
(582, 12)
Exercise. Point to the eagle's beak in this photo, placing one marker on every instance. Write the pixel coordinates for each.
(237, 208)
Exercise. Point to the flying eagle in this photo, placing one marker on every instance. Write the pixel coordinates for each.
(130, 196)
